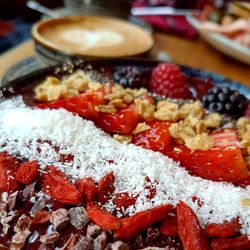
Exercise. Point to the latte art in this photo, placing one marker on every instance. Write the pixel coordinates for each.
(85, 39)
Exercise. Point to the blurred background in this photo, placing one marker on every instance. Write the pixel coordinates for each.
(16, 18)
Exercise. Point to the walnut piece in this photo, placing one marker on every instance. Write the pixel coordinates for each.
(142, 126)
(166, 111)
(200, 142)
(106, 109)
(145, 109)
(122, 138)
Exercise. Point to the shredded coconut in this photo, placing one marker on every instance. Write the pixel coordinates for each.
(33, 134)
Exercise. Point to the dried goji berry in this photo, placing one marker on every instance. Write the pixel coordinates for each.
(27, 172)
(169, 226)
(150, 187)
(240, 243)
(100, 216)
(41, 217)
(226, 229)
(106, 187)
(8, 168)
(189, 228)
(124, 199)
(131, 226)
(56, 184)
(88, 189)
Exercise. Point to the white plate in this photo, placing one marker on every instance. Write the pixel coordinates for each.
(222, 43)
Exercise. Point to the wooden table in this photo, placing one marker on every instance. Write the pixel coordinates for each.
(196, 54)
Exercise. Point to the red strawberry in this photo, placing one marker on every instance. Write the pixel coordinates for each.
(83, 104)
(102, 217)
(157, 138)
(8, 167)
(169, 225)
(223, 162)
(226, 229)
(189, 228)
(123, 199)
(168, 80)
(122, 122)
(131, 226)
(106, 187)
(88, 189)
(56, 184)
(27, 172)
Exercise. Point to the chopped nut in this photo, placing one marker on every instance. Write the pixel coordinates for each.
(142, 126)
(83, 243)
(50, 238)
(178, 150)
(23, 223)
(166, 111)
(145, 109)
(18, 240)
(59, 218)
(199, 142)
(128, 98)
(78, 81)
(245, 202)
(106, 109)
(212, 120)
(181, 131)
(118, 103)
(29, 190)
(112, 96)
(122, 138)
(195, 109)
(95, 86)
(140, 92)
(242, 123)
(78, 217)
(118, 89)
(195, 123)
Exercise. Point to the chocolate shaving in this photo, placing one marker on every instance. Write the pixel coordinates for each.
(12, 200)
(59, 219)
(101, 241)
(38, 206)
(78, 217)
(29, 191)
(50, 238)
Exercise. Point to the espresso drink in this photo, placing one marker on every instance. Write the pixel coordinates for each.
(94, 36)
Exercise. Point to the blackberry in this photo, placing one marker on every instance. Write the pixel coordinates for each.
(131, 76)
(225, 101)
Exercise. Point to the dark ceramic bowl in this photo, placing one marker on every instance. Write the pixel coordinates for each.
(106, 67)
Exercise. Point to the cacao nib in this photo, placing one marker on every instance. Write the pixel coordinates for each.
(29, 191)
(78, 217)
(38, 206)
(93, 230)
(101, 241)
(12, 200)
(50, 238)
(59, 219)
(83, 243)
(118, 245)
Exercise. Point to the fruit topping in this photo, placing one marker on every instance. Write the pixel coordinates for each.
(189, 228)
(225, 101)
(56, 184)
(131, 76)
(199, 86)
(106, 187)
(168, 80)
(131, 226)
(88, 189)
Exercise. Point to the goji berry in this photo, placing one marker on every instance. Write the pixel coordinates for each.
(106, 187)
(27, 172)
(88, 189)
(124, 200)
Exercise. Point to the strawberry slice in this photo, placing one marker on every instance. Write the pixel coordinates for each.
(157, 138)
(124, 200)
(88, 189)
(240, 243)
(189, 228)
(122, 122)
(223, 162)
(106, 187)
(100, 216)
(56, 184)
(169, 226)
(27, 172)
(83, 104)
(131, 226)
(8, 167)
(226, 229)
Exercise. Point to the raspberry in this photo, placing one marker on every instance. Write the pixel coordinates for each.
(168, 80)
